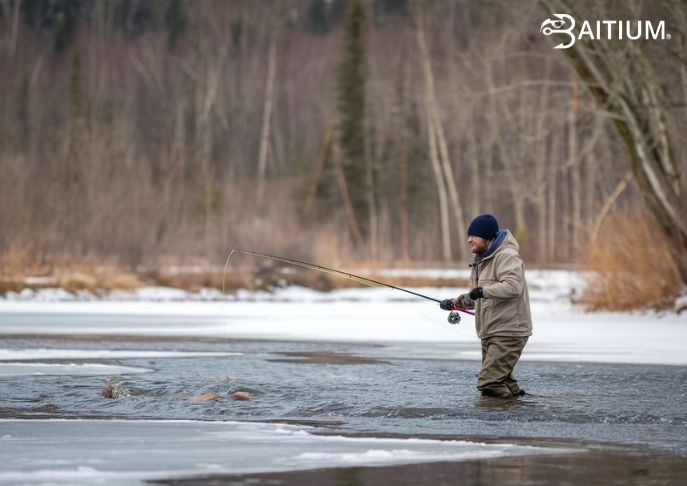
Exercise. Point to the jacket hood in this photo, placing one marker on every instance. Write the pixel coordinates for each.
(504, 239)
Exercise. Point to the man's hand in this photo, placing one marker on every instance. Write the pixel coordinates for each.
(463, 300)
(476, 293)
(446, 304)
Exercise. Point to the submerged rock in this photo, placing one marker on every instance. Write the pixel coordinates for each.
(113, 388)
(205, 397)
(241, 395)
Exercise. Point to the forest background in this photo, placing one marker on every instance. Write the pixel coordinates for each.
(139, 138)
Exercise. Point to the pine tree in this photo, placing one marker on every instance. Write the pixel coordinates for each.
(176, 21)
(351, 80)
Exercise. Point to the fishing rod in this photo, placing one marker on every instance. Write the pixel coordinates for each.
(453, 318)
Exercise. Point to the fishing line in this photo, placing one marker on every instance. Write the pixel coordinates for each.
(454, 317)
(312, 266)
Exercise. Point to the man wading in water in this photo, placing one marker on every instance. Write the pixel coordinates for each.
(501, 302)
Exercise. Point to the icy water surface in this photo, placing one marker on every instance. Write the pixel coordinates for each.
(349, 388)
(128, 452)
(117, 393)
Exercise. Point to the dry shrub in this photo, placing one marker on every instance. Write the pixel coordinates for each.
(94, 277)
(630, 267)
(122, 280)
(405, 281)
(18, 259)
(73, 281)
(272, 277)
(192, 274)
(23, 269)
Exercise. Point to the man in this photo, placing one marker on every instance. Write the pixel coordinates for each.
(501, 302)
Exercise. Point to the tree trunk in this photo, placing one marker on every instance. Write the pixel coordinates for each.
(16, 14)
(403, 196)
(373, 219)
(448, 177)
(431, 132)
(607, 205)
(266, 114)
(552, 194)
(516, 190)
(574, 170)
(475, 171)
(441, 189)
(319, 165)
(346, 198)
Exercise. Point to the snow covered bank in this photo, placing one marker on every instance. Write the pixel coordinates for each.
(544, 284)
(562, 332)
(415, 327)
(129, 452)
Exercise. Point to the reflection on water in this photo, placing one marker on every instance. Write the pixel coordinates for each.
(343, 383)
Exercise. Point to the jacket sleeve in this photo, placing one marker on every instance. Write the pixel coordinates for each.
(510, 278)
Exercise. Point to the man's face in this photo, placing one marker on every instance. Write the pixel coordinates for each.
(477, 244)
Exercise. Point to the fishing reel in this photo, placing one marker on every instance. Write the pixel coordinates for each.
(454, 317)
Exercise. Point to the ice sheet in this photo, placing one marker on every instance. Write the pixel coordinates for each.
(32, 369)
(129, 452)
(43, 353)
(416, 327)
(561, 332)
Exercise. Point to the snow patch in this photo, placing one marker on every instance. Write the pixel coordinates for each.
(41, 353)
(37, 369)
(132, 451)
(394, 456)
(410, 325)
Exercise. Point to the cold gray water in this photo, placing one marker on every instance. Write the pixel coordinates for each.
(350, 388)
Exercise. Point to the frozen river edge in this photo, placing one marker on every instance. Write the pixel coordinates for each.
(204, 453)
(127, 452)
(562, 332)
(412, 327)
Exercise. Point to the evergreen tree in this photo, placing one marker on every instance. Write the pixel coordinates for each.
(324, 14)
(175, 20)
(351, 80)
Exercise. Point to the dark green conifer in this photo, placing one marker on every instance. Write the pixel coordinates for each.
(351, 81)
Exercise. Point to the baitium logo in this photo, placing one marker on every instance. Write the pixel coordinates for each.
(602, 29)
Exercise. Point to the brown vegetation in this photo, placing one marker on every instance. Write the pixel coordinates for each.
(120, 146)
(630, 266)
(20, 270)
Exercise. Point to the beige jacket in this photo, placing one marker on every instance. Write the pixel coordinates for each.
(505, 308)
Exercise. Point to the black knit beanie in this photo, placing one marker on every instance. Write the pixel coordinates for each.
(484, 226)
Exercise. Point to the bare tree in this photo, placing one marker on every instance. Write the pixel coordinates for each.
(266, 114)
(625, 83)
(439, 154)
(169, 144)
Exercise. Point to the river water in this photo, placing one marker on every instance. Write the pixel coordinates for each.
(347, 387)
(119, 393)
